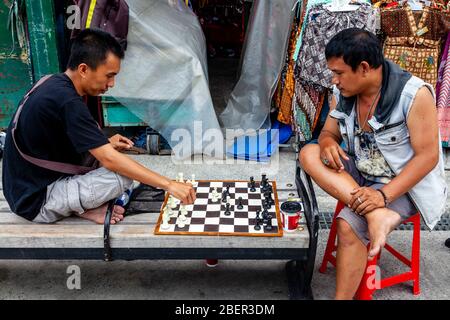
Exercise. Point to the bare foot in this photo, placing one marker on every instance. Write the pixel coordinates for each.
(381, 222)
(97, 215)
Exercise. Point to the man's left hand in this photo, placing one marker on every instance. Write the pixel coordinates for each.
(120, 142)
(365, 200)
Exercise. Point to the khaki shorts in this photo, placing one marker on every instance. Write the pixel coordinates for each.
(79, 193)
(403, 205)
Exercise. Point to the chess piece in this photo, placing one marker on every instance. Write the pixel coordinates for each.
(257, 226)
(180, 223)
(227, 209)
(224, 195)
(239, 205)
(252, 184)
(258, 215)
(180, 177)
(171, 202)
(193, 179)
(215, 195)
(183, 210)
(165, 219)
(268, 226)
(265, 213)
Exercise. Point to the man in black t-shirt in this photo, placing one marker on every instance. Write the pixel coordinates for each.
(55, 125)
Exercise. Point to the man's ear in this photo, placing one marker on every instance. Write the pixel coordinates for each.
(365, 68)
(83, 69)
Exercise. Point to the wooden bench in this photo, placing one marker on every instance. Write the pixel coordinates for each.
(133, 239)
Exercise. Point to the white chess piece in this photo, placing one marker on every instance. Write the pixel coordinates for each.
(193, 179)
(165, 218)
(183, 210)
(180, 177)
(171, 203)
(180, 223)
(215, 195)
(189, 181)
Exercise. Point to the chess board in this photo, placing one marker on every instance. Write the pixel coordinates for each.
(206, 217)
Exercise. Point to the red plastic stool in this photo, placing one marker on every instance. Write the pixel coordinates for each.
(366, 287)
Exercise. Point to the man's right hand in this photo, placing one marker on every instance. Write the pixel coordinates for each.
(331, 153)
(182, 191)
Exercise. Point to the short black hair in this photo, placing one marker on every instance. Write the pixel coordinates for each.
(91, 46)
(355, 45)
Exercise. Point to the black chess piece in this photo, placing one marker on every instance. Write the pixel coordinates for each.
(258, 215)
(224, 196)
(252, 184)
(268, 226)
(265, 213)
(257, 226)
(227, 209)
(239, 205)
(263, 179)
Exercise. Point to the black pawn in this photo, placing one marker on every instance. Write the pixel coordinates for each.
(227, 209)
(268, 226)
(239, 205)
(252, 184)
(258, 215)
(257, 227)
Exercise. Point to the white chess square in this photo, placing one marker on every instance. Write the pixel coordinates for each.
(198, 214)
(196, 228)
(222, 215)
(217, 184)
(244, 209)
(226, 228)
(213, 207)
(214, 221)
(203, 190)
(201, 201)
(242, 195)
(254, 202)
(241, 184)
(241, 221)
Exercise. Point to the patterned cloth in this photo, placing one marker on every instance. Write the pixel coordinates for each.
(443, 93)
(308, 101)
(285, 106)
(322, 25)
(415, 47)
(395, 23)
(368, 158)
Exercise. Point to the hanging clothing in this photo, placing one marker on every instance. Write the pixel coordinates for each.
(285, 106)
(408, 47)
(308, 101)
(322, 25)
(443, 100)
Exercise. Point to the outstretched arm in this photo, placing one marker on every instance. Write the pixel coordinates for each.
(125, 166)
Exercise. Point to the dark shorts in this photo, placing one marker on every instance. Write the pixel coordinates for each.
(403, 205)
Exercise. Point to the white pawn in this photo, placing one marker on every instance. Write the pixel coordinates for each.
(180, 223)
(214, 195)
(193, 179)
(183, 210)
(165, 218)
(180, 177)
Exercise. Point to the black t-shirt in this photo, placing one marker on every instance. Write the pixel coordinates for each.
(55, 124)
